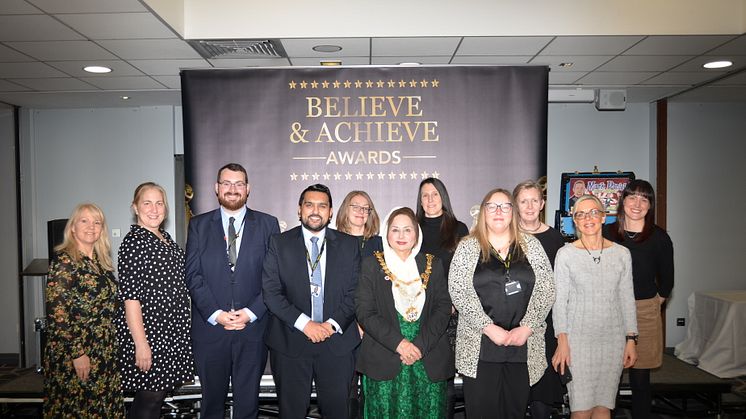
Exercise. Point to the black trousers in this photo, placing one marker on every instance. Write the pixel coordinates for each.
(499, 391)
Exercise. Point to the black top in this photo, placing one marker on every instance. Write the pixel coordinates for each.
(505, 310)
(551, 240)
(367, 247)
(431, 241)
(651, 259)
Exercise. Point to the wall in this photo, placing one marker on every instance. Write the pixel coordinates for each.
(9, 231)
(706, 151)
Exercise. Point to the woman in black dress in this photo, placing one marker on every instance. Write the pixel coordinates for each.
(357, 217)
(652, 276)
(155, 351)
(530, 200)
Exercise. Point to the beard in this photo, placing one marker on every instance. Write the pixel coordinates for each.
(231, 205)
(315, 228)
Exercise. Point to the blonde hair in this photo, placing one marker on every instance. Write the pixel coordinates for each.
(102, 247)
(481, 233)
(372, 224)
(144, 187)
(584, 198)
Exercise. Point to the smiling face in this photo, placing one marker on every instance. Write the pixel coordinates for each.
(578, 188)
(315, 211)
(530, 203)
(498, 222)
(636, 207)
(232, 190)
(150, 209)
(402, 235)
(357, 213)
(589, 217)
(87, 229)
(431, 201)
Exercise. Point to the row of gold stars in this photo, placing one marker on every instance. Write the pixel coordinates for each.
(402, 175)
(369, 84)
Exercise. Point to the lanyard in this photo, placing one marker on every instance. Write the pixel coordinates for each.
(315, 264)
(232, 240)
(505, 262)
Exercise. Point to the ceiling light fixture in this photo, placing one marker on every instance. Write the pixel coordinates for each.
(125, 97)
(718, 64)
(327, 48)
(409, 64)
(330, 63)
(98, 69)
(565, 65)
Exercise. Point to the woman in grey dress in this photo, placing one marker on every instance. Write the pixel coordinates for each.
(594, 313)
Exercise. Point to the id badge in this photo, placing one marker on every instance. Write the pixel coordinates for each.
(512, 287)
(315, 289)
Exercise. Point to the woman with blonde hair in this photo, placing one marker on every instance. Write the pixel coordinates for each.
(357, 217)
(501, 284)
(81, 373)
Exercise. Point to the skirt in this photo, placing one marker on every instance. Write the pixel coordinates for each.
(650, 328)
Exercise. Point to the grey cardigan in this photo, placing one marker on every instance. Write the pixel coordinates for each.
(472, 318)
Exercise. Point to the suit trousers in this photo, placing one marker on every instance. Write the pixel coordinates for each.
(500, 390)
(331, 374)
(231, 359)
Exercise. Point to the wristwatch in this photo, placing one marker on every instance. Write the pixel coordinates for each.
(632, 337)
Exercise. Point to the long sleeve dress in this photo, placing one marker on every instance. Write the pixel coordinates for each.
(81, 304)
(595, 307)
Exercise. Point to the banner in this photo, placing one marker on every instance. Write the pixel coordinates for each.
(379, 129)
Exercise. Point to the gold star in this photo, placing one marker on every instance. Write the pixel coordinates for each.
(368, 84)
(327, 176)
(325, 84)
(303, 84)
(423, 83)
(402, 175)
(358, 84)
(402, 83)
(413, 175)
(436, 175)
(348, 84)
(293, 176)
(359, 176)
(304, 176)
(314, 84)
(435, 83)
(336, 84)
(337, 176)
(370, 175)
(392, 83)
(413, 83)
(315, 176)
(292, 84)
(381, 175)
(348, 176)
(392, 175)
(424, 175)
(380, 84)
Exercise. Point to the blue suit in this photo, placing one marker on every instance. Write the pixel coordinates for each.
(220, 355)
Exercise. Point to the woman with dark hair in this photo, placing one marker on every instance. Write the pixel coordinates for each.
(530, 201)
(357, 217)
(155, 349)
(402, 302)
(652, 276)
(501, 283)
(81, 378)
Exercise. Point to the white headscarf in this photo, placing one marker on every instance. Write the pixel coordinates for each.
(405, 270)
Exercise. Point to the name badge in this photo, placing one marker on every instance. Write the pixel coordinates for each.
(315, 289)
(512, 287)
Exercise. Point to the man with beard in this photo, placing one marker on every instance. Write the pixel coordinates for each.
(310, 276)
(224, 257)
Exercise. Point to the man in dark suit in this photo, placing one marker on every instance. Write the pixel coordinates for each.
(224, 258)
(310, 276)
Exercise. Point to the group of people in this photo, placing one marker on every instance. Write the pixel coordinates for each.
(518, 313)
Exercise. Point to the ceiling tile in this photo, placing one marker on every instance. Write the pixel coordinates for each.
(63, 50)
(75, 68)
(17, 7)
(713, 94)
(649, 94)
(565, 77)
(681, 78)
(738, 79)
(28, 70)
(312, 62)
(172, 82)
(502, 45)
(167, 67)
(123, 83)
(579, 62)
(45, 28)
(491, 59)
(117, 25)
(351, 47)
(590, 45)
(389, 47)
(55, 84)
(88, 6)
(615, 78)
(100, 99)
(399, 60)
(8, 55)
(6, 86)
(643, 63)
(250, 62)
(696, 64)
(734, 47)
(677, 44)
(147, 49)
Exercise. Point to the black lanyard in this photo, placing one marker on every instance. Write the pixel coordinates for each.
(315, 264)
(232, 240)
(505, 262)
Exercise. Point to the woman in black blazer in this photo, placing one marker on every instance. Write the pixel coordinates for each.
(402, 304)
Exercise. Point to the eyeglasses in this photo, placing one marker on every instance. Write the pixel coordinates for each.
(359, 209)
(227, 185)
(492, 207)
(581, 215)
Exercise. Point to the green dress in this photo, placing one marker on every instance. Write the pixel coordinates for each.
(410, 394)
(81, 304)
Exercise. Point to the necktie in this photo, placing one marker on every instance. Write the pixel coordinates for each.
(232, 236)
(317, 289)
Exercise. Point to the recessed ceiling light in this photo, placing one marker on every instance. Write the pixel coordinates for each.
(327, 48)
(125, 97)
(97, 69)
(718, 64)
(330, 63)
(409, 64)
(565, 65)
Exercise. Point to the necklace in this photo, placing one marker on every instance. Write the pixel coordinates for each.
(596, 259)
(411, 314)
(530, 231)
(631, 236)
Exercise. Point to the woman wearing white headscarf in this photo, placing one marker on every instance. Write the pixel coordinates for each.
(403, 305)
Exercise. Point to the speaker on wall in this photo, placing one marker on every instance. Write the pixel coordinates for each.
(55, 234)
(611, 100)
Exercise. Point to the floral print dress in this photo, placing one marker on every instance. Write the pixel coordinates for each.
(81, 304)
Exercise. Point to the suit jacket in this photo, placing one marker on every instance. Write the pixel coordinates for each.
(378, 317)
(287, 291)
(211, 283)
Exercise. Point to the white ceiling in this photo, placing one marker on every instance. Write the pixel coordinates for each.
(44, 44)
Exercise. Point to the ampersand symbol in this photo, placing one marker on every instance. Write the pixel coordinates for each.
(298, 135)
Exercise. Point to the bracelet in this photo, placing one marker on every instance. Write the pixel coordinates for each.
(631, 337)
